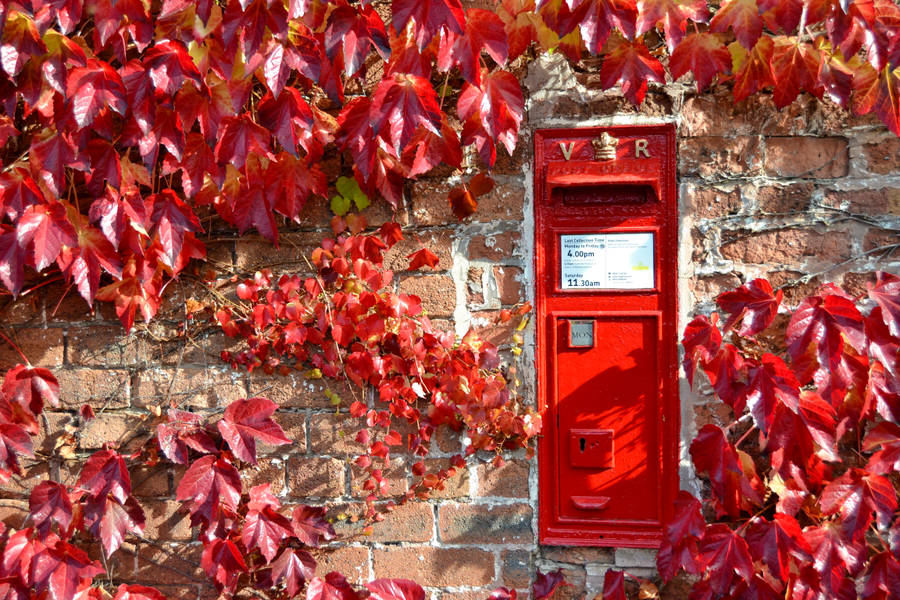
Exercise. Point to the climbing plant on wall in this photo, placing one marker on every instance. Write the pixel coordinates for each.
(801, 493)
(124, 121)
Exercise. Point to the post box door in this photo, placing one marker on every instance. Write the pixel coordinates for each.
(606, 283)
(607, 397)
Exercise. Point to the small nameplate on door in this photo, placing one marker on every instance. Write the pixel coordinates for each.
(581, 333)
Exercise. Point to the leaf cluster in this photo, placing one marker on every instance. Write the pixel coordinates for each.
(808, 509)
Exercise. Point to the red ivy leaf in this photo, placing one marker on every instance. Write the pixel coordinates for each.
(310, 525)
(183, 430)
(48, 503)
(94, 87)
(743, 17)
(64, 569)
(239, 138)
(547, 583)
(753, 69)
(429, 17)
(421, 258)
(396, 589)
(753, 304)
(169, 65)
(31, 387)
(702, 54)
(210, 483)
(246, 421)
(702, 340)
(333, 587)
(854, 496)
(673, 14)
(614, 585)
(405, 102)
(819, 327)
(713, 455)
(886, 292)
(105, 473)
(265, 529)
(878, 92)
(223, 562)
(495, 108)
(774, 542)
(137, 592)
(295, 567)
(630, 63)
(726, 554)
(172, 219)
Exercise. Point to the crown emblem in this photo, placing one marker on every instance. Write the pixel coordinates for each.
(605, 147)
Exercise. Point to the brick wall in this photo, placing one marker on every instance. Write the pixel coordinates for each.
(788, 195)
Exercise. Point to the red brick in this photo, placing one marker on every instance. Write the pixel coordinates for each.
(57, 429)
(506, 202)
(316, 477)
(290, 391)
(21, 485)
(806, 156)
(509, 481)
(410, 522)
(883, 156)
(350, 561)
(196, 387)
(875, 202)
(484, 523)
(477, 594)
(169, 564)
(294, 426)
(788, 246)
(102, 389)
(790, 283)
(787, 199)
(517, 568)
(429, 202)
(438, 567)
(166, 521)
(111, 427)
(715, 412)
(267, 470)
(496, 247)
(509, 284)
(13, 513)
(437, 292)
(716, 114)
(201, 349)
(710, 202)
(856, 284)
(446, 440)
(439, 242)
(718, 157)
(147, 482)
(253, 253)
(457, 486)
(335, 434)
(42, 347)
(103, 347)
(880, 239)
(709, 286)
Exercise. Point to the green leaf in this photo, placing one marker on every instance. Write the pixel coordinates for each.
(340, 205)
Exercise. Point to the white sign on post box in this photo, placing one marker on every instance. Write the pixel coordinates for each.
(616, 261)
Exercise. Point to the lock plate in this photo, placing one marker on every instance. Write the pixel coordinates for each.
(591, 448)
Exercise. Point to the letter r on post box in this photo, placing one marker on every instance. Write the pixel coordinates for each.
(606, 267)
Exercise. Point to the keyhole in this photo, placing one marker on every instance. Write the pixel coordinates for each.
(582, 443)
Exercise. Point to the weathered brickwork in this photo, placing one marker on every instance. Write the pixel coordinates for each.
(800, 196)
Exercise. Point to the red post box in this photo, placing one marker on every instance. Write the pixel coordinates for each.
(606, 275)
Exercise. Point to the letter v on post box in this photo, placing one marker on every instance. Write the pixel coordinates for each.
(606, 274)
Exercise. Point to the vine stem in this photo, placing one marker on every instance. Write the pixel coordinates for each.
(16, 348)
